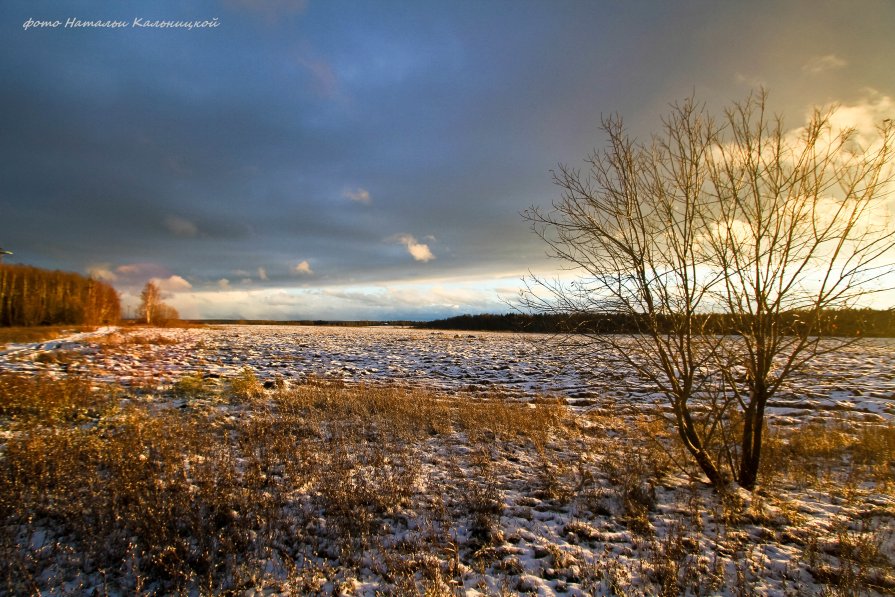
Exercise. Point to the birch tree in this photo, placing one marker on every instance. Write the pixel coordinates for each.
(153, 309)
(150, 300)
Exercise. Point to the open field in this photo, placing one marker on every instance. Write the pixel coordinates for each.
(857, 382)
(361, 461)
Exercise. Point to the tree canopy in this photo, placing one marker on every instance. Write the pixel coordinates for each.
(32, 296)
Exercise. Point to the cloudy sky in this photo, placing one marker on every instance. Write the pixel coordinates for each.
(365, 159)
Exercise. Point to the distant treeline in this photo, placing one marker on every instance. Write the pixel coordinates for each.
(32, 296)
(309, 322)
(845, 322)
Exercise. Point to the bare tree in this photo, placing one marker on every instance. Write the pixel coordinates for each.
(165, 314)
(801, 228)
(153, 309)
(718, 227)
(150, 300)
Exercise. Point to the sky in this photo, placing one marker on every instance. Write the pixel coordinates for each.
(335, 159)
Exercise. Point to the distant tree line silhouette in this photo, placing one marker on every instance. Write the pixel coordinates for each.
(840, 322)
(346, 323)
(32, 296)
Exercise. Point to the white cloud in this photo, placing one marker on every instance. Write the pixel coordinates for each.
(865, 115)
(181, 227)
(358, 195)
(303, 268)
(418, 250)
(262, 273)
(172, 284)
(102, 272)
(128, 269)
(433, 298)
(224, 283)
(820, 64)
(860, 119)
(131, 275)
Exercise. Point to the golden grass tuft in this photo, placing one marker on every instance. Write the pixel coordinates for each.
(246, 385)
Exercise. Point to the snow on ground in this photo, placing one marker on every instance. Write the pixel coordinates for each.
(578, 515)
(858, 382)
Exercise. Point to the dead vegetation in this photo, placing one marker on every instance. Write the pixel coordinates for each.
(222, 486)
(10, 335)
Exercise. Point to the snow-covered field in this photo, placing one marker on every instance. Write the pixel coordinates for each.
(857, 382)
(421, 497)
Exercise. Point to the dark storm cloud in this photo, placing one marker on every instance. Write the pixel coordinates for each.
(320, 132)
(246, 146)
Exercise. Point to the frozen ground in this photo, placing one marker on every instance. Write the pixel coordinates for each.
(584, 510)
(857, 382)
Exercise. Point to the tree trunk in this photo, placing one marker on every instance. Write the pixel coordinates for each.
(753, 426)
(708, 467)
(693, 444)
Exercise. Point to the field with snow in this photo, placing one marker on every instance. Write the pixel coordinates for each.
(293, 460)
(857, 382)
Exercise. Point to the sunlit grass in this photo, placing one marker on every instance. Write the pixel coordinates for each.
(18, 335)
(43, 400)
(224, 486)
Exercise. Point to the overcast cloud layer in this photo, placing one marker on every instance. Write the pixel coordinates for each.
(352, 159)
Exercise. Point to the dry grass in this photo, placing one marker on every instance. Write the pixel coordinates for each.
(308, 488)
(16, 335)
(812, 455)
(168, 323)
(193, 385)
(246, 386)
(183, 500)
(129, 337)
(42, 400)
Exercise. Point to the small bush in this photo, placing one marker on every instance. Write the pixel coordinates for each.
(246, 386)
(193, 386)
